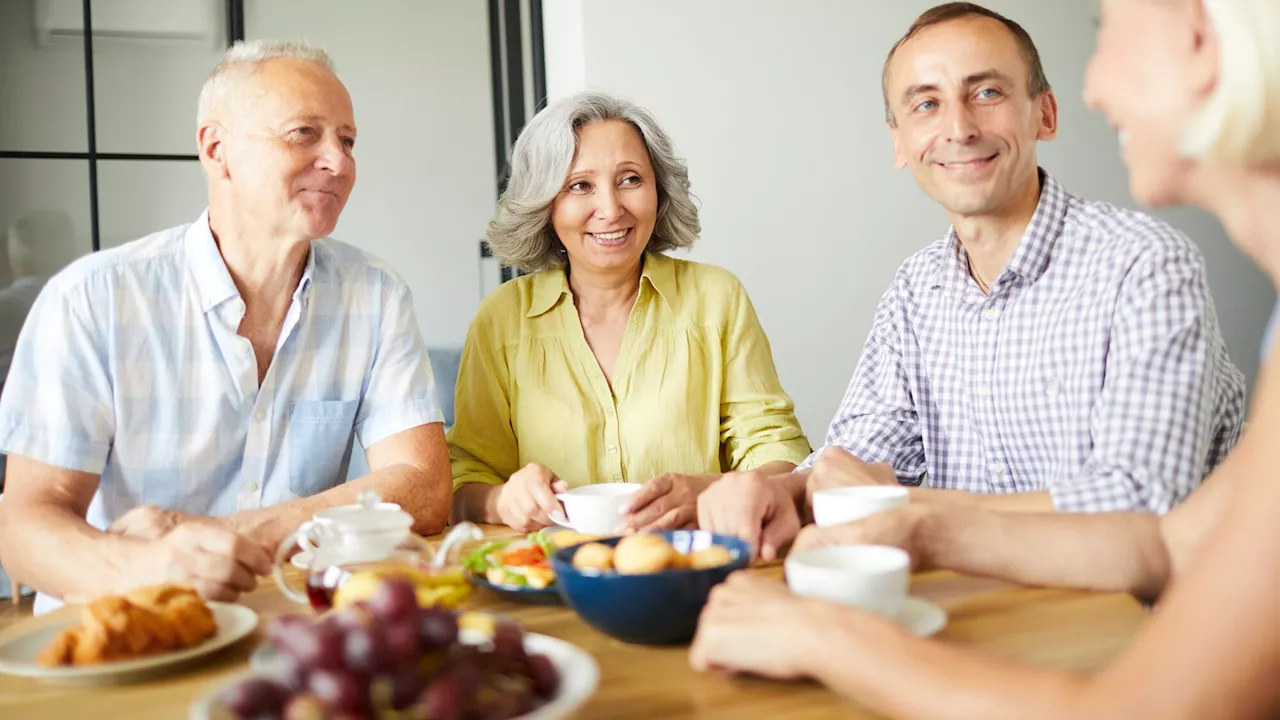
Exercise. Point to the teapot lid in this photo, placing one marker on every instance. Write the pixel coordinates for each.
(369, 514)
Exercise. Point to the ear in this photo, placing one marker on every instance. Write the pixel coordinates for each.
(899, 157)
(1202, 63)
(1048, 120)
(209, 140)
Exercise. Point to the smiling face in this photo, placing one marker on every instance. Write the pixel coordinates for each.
(1142, 77)
(965, 121)
(605, 214)
(284, 149)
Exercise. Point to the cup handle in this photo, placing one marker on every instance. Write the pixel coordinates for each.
(295, 539)
(562, 521)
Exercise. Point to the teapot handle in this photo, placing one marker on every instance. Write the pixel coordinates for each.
(451, 545)
(300, 538)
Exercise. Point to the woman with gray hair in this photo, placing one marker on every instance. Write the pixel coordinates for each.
(610, 362)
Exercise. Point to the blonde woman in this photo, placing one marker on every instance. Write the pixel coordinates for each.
(610, 362)
(1193, 86)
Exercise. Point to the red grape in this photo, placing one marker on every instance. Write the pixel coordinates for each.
(400, 642)
(442, 700)
(542, 672)
(315, 645)
(398, 689)
(508, 641)
(290, 672)
(437, 629)
(395, 599)
(365, 650)
(254, 697)
(339, 689)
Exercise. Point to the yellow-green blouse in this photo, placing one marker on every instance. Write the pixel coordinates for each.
(694, 388)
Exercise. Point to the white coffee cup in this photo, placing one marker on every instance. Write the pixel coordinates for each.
(596, 509)
(872, 577)
(837, 505)
(327, 517)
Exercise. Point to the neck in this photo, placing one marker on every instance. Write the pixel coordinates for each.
(991, 238)
(600, 295)
(1245, 202)
(265, 268)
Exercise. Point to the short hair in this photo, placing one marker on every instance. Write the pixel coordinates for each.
(243, 59)
(1038, 83)
(520, 232)
(1240, 122)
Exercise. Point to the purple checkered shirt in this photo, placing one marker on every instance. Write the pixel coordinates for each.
(1095, 369)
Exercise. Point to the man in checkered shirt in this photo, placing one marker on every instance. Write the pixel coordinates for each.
(179, 405)
(1048, 353)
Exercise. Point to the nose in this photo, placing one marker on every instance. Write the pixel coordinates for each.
(608, 203)
(335, 157)
(959, 123)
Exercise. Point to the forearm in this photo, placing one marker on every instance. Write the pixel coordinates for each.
(1008, 502)
(901, 676)
(423, 493)
(53, 550)
(1112, 551)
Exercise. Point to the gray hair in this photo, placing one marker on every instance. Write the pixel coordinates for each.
(245, 57)
(520, 232)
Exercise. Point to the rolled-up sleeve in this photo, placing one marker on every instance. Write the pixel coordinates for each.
(401, 391)
(482, 443)
(57, 406)
(758, 424)
(877, 420)
(1156, 419)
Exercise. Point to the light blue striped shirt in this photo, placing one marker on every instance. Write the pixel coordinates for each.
(129, 366)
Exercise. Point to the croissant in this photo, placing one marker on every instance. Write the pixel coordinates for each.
(145, 621)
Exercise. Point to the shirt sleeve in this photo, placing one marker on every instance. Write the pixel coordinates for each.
(758, 424)
(401, 390)
(482, 443)
(877, 420)
(58, 405)
(1166, 373)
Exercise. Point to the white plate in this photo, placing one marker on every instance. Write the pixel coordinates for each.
(921, 617)
(18, 655)
(579, 675)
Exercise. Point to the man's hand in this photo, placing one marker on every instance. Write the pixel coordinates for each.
(149, 522)
(751, 506)
(838, 467)
(667, 502)
(217, 562)
(898, 527)
(757, 626)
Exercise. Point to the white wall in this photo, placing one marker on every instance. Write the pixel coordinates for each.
(418, 73)
(777, 107)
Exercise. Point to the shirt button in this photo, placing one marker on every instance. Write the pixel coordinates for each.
(251, 486)
(983, 390)
(991, 313)
(997, 469)
(613, 449)
(1052, 388)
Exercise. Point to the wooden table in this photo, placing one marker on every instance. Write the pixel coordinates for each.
(1054, 627)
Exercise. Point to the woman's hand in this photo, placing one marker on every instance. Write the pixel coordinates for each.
(527, 500)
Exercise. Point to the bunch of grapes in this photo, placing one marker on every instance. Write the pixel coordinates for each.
(389, 659)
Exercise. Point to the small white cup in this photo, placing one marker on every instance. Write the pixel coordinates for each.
(838, 505)
(596, 509)
(326, 518)
(872, 577)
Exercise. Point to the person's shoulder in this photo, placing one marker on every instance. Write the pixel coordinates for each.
(144, 259)
(1128, 234)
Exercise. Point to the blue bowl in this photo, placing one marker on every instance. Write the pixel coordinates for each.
(651, 609)
(528, 595)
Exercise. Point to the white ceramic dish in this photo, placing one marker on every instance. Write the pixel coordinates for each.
(579, 675)
(18, 653)
(921, 617)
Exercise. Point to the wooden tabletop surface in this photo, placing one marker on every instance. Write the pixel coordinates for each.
(1052, 627)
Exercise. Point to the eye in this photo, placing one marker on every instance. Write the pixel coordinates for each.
(348, 142)
(631, 181)
(580, 186)
(303, 132)
(989, 93)
(926, 106)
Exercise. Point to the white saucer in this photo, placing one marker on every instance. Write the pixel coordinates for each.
(18, 653)
(921, 617)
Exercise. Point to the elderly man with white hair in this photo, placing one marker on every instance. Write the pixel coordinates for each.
(179, 404)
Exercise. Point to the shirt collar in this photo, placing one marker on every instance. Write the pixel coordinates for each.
(551, 285)
(1035, 249)
(212, 279)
